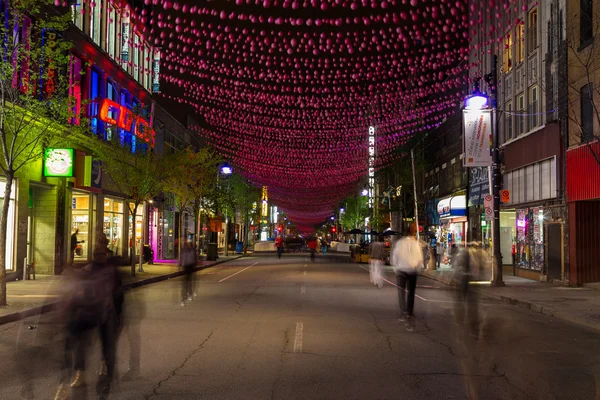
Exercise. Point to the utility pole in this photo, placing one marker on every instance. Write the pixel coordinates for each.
(492, 81)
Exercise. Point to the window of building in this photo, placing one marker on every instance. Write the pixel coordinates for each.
(111, 32)
(147, 70)
(125, 42)
(94, 95)
(77, 12)
(520, 41)
(111, 94)
(532, 109)
(113, 225)
(532, 30)
(95, 22)
(533, 182)
(508, 122)
(75, 88)
(587, 113)
(136, 57)
(586, 22)
(520, 114)
(507, 55)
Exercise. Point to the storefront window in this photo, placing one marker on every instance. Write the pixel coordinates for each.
(80, 225)
(135, 230)
(530, 238)
(168, 229)
(113, 225)
(10, 228)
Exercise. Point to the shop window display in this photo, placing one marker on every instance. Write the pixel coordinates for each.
(530, 238)
(80, 223)
(113, 225)
(138, 227)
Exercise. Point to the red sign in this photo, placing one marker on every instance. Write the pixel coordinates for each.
(113, 113)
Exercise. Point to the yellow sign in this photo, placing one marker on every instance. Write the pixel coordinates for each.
(505, 196)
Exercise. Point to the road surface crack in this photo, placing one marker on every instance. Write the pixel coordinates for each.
(388, 339)
(321, 355)
(376, 322)
(174, 372)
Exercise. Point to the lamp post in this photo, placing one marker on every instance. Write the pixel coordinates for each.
(225, 171)
(480, 102)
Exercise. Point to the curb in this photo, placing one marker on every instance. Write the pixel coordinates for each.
(538, 308)
(30, 312)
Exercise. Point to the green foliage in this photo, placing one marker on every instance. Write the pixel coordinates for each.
(355, 212)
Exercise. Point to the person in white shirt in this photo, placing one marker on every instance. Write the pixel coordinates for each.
(407, 260)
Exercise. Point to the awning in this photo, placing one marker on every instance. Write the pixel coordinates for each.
(455, 206)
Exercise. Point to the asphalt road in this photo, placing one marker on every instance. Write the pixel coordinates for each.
(263, 328)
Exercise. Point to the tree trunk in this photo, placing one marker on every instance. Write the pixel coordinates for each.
(132, 239)
(181, 234)
(3, 228)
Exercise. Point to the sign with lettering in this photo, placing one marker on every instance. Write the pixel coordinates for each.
(58, 162)
(477, 138)
(113, 113)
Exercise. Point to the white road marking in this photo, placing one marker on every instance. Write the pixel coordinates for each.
(227, 277)
(393, 284)
(302, 289)
(298, 337)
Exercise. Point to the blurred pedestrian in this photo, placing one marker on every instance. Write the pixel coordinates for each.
(407, 259)
(189, 261)
(95, 302)
(74, 243)
(323, 246)
(279, 246)
(376, 261)
(134, 311)
(468, 264)
(439, 252)
(312, 247)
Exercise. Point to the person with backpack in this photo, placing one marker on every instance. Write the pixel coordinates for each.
(279, 246)
(407, 260)
(312, 247)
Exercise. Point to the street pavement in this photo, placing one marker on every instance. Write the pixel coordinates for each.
(263, 328)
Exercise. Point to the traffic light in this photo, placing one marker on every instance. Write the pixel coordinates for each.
(333, 229)
(279, 228)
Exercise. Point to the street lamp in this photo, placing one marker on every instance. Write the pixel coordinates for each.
(226, 170)
(480, 102)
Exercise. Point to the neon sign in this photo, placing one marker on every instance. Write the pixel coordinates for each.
(113, 113)
(58, 162)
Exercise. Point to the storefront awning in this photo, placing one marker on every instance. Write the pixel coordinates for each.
(455, 206)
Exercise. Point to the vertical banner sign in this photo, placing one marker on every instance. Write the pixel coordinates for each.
(156, 72)
(125, 41)
(371, 166)
(477, 138)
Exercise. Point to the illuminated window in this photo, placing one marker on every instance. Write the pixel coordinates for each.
(532, 31)
(75, 88)
(125, 42)
(95, 22)
(111, 34)
(520, 42)
(94, 96)
(147, 71)
(136, 57)
(507, 56)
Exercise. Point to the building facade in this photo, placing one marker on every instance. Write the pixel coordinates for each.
(583, 152)
(530, 54)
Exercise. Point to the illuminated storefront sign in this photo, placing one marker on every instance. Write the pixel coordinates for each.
(113, 113)
(371, 165)
(58, 162)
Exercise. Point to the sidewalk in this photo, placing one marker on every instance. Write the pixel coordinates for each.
(580, 305)
(27, 298)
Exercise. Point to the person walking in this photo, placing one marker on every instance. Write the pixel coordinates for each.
(439, 252)
(312, 247)
(188, 259)
(376, 261)
(407, 259)
(279, 246)
(74, 243)
(323, 246)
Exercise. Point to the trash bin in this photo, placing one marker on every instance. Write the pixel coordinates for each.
(211, 252)
(239, 247)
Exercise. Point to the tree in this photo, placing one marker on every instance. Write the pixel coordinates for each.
(355, 212)
(33, 115)
(192, 176)
(139, 175)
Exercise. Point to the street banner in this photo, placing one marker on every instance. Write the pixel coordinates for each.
(477, 138)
